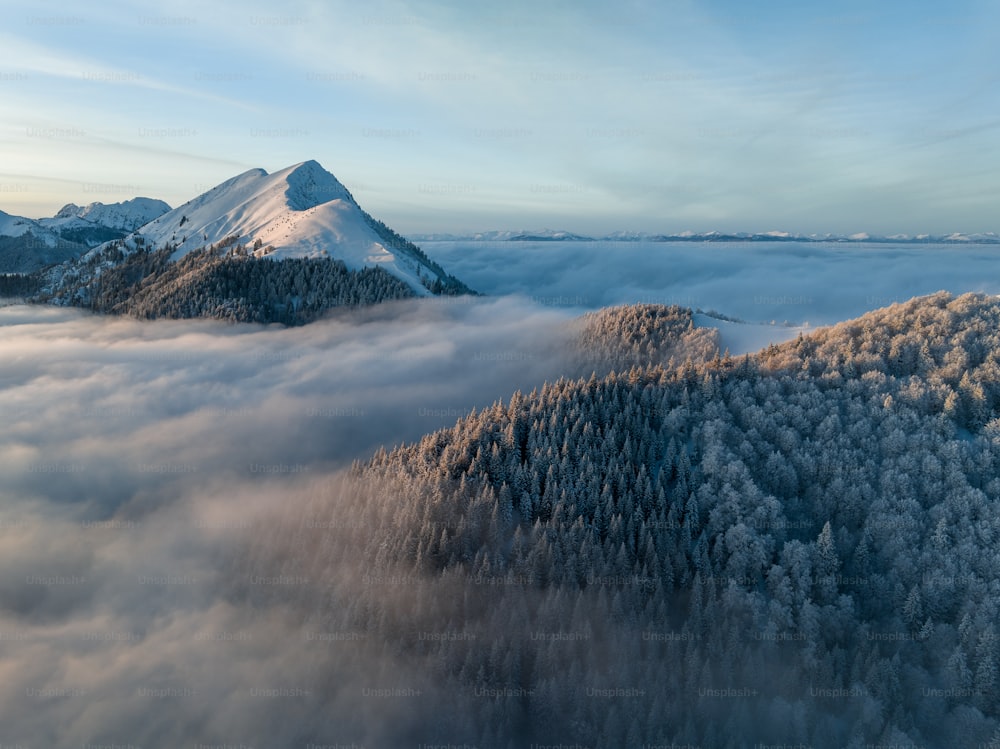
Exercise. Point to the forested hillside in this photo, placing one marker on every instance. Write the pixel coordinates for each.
(794, 548)
(225, 281)
(639, 335)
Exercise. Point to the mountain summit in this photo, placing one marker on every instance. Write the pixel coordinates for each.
(282, 247)
(302, 211)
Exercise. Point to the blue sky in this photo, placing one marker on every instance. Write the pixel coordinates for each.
(650, 115)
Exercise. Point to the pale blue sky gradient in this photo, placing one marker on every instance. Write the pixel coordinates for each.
(455, 116)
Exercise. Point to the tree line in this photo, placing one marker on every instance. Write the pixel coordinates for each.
(226, 281)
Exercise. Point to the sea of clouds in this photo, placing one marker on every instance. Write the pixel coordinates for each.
(760, 282)
(135, 457)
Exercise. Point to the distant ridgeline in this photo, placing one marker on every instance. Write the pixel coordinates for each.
(793, 548)
(226, 281)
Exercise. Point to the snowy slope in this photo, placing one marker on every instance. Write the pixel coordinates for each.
(300, 211)
(746, 338)
(18, 226)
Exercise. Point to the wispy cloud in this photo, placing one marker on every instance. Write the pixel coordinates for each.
(18, 54)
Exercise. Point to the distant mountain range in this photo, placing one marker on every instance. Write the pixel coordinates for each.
(27, 245)
(548, 235)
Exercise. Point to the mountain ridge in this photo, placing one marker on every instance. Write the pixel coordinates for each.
(127, 215)
(28, 245)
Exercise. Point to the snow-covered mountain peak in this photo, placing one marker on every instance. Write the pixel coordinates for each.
(297, 212)
(310, 185)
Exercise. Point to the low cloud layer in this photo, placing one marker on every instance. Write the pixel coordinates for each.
(88, 400)
(758, 282)
(135, 457)
(138, 461)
